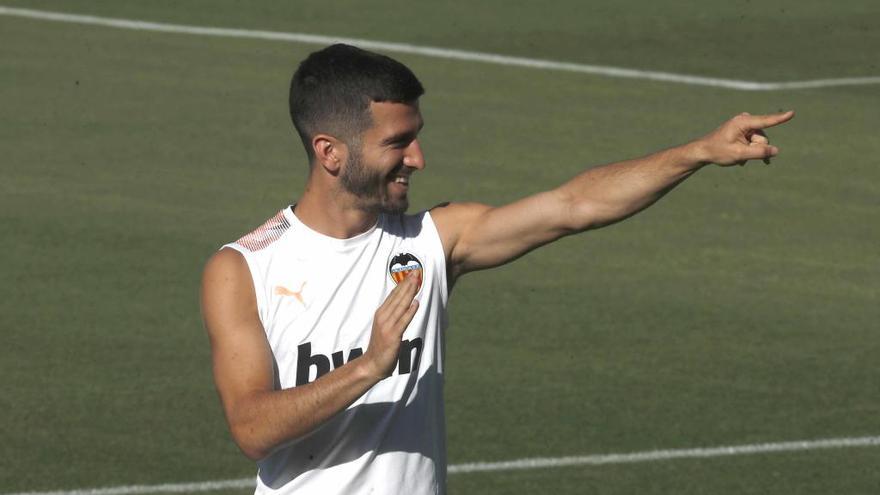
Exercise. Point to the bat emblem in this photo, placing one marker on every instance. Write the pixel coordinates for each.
(402, 264)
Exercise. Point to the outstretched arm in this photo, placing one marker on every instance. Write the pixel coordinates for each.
(477, 236)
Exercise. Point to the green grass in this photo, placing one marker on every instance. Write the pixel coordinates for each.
(742, 308)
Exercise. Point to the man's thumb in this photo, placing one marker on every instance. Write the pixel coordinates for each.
(758, 150)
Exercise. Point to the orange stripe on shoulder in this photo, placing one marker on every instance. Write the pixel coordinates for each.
(264, 235)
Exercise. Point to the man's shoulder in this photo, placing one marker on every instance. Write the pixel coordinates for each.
(226, 268)
(449, 211)
(266, 234)
(451, 218)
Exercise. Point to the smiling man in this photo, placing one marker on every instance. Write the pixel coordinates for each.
(327, 322)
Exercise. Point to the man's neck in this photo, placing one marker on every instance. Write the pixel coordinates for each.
(333, 214)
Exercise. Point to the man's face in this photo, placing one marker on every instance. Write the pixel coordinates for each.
(379, 167)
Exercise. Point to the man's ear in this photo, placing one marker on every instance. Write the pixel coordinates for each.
(330, 153)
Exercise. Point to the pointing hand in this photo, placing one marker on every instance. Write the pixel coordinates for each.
(740, 139)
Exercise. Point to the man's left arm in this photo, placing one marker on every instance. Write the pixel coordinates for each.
(477, 236)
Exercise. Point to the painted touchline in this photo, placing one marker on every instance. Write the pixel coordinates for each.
(515, 465)
(444, 53)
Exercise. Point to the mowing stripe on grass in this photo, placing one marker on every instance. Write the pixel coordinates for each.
(515, 465)
(445, 53)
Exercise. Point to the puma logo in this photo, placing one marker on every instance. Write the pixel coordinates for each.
(280, 290)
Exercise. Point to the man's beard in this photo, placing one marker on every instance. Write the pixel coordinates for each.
(370, 188)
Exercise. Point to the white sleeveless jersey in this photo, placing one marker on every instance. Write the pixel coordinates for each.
(316, 297)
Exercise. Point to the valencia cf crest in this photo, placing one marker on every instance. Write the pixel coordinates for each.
(402, 264)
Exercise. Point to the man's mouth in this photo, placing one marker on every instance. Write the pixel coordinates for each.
(401, 179)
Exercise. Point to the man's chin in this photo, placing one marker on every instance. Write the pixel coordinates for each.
(386, 206)
(394, 207)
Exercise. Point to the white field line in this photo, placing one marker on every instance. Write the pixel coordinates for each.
(664, 455)
(515, 465)
(444, 53)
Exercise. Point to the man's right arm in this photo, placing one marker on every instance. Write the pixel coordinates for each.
(260, 417)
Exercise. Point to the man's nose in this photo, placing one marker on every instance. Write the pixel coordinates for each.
(414, 157)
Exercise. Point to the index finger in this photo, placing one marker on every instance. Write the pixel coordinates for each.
(403, 294)
(765, 121)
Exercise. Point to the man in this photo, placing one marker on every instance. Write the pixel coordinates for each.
(326, 323)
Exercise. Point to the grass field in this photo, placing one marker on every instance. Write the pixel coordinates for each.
(743, 308)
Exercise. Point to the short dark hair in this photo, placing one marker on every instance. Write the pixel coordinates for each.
(332, 89)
